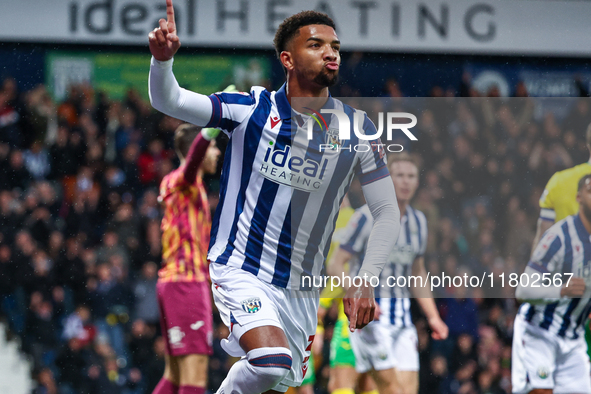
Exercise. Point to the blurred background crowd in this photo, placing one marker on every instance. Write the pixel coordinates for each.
(80, 227)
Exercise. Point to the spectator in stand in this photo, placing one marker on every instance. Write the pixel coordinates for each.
(141, 344)
(9, 297)
(36, 160)
(41, 331)
(17, 176)
(107, 297)
(461, 316)
(70, 270)
(9, 117)
(62, 160)
(111, 246)
(71, 365)
(46, 381)
(148, 163)
(146, 302)
(79, 326)
(129, 166)
(152, 245)
(127, 133)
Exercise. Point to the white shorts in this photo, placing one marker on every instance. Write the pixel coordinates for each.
(542, 360)
(381, 346)
(245, 302)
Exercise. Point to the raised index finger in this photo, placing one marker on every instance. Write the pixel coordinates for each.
(170, 16)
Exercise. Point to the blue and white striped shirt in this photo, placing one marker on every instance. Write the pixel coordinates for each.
(412, 241)
(564, 248)
(279, 197)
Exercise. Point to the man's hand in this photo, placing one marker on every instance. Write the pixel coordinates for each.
(359, 306)
(164, 42)
(576, 288)
(439, 328)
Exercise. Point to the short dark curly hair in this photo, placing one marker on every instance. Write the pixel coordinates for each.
(290, 26)
(183, 138)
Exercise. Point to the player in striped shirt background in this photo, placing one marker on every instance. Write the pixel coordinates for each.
(559, 200)
(183, 285)
(388, 347)
(268, 234)
(549, 349)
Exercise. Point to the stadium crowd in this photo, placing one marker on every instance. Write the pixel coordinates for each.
(80, 230)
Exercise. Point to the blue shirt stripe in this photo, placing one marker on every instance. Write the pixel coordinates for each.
(582, 317)
(348, 245)
(393, 300)
(252, 136)
(530, 313)
(262, 211)
(345, 160)
(566, 318)
(282, 270)
(584, 237)
(548, 315)
(215, 223)
(552, 250)
(568, 249)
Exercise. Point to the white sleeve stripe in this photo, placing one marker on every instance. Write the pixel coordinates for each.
(424, 233)
(547, 214)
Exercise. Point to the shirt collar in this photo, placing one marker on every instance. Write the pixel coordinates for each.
(282, 104)
(284, 107)
(404, 217)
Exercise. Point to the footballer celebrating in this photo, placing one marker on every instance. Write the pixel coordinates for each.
(267, 235)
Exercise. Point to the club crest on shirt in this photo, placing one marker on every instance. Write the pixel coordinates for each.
(543, 372)
(252, 305)
(332, 138)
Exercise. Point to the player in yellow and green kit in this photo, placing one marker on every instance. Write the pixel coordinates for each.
(325, 303)
(343, 377)
(341, 354)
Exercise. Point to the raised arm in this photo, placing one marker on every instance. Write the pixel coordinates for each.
(164, 42)
(195, 157)
(165, 93)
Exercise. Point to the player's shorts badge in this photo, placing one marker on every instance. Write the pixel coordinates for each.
(542, 373)
(175, 336)
(252, 305)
